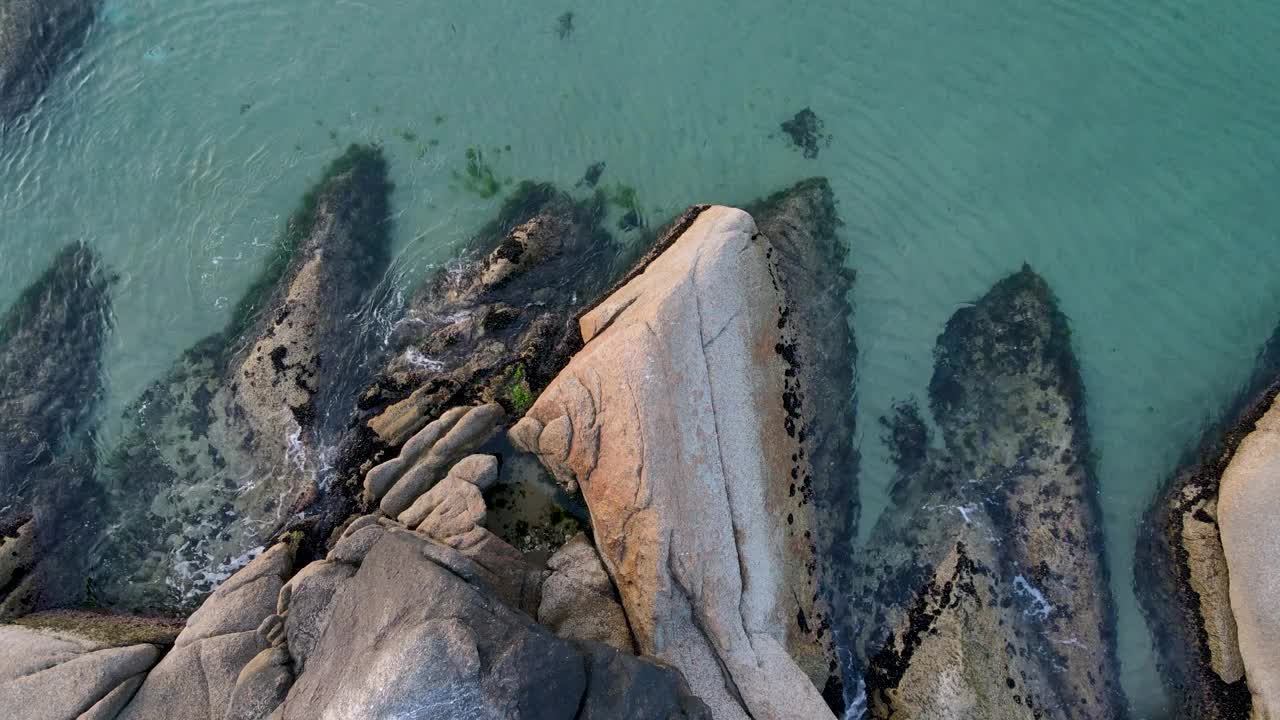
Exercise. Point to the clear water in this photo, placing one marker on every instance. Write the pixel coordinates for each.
(1126, 149)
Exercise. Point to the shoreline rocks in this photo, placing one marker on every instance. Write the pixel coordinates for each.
(36, 37)
(682, 423)
(1203, 607)
(230, 443)
(984, 591)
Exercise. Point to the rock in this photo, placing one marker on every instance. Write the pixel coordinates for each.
(495, 326)
(1182, 575)
(1249, 521)
(525, 433)
(194, 681)
(227, 443)
(578, 599)
(472, 431)
(57, 676)
(51, 342)
(36, 37)
(810, 264)
(983, 591)
(683, 471)
(310, 605)
(198, 677)
(410, 636)
(381, 478)
(352, 548)
(478, 470)
(449, 509)
(262, 685)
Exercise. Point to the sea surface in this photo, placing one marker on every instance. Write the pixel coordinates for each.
(1127, 150)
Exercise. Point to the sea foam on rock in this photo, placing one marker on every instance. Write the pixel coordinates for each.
(682, 421)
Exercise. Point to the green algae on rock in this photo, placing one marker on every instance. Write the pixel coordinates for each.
(984, 590)
(225, 448)
(51, 342)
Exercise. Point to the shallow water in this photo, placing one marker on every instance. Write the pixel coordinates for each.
(1126, 150)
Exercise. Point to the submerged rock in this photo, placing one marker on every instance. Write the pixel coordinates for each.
(51, 343)
(1209, 603)
(984, 591)
(36, 36)
(685, 423)
(232, 442)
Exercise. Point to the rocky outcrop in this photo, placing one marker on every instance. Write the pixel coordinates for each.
(51, 342)
(1249, 520)
(230, 444)
(56, 676)
(400, 621)
(1209, 609)
(36, 36)
(684, 423)
(197, 677)
(493, 326)
(578, 599)
(983, 591)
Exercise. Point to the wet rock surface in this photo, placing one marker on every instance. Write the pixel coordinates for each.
(233, 440)
(983, 592)
(1184, 581)
(51, 341)
(36, 37)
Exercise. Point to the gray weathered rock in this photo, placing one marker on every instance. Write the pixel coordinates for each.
(983, 590)
(407, 635)
(58, 676)
(1186, 584)
(680, 438)
(380, 479)
(262, 685)
(227, 444)
(36, 37)
(471, 431)
(197, 678)
(579, 601)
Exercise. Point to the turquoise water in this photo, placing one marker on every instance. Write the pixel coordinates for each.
(1126, 150)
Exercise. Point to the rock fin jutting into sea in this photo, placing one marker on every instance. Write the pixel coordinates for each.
(683, 421)
(231, 442)
(984, 591)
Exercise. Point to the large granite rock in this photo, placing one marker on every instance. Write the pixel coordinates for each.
(409, 632)
(683, 426)
(36, 36)
(46, 675)
(230, 445)
(983, 591)
(1207, 608)
(196, 679)
(1249, 519)
(579, 601)
(51, 341)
